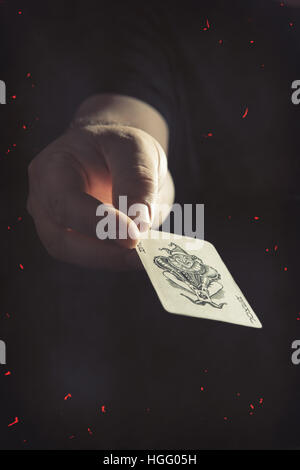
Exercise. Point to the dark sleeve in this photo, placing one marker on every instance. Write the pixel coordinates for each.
(130, 55)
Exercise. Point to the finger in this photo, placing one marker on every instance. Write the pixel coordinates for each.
(69, 206)
(72, 247)
(138, 166)
(86, 215)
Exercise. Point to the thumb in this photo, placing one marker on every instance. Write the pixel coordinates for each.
(138, 166)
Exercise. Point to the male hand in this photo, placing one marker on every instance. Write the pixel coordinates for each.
(87, 166)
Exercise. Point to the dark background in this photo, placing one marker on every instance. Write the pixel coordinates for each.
(103, 337)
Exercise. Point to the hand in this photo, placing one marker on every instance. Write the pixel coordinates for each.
(87, 166)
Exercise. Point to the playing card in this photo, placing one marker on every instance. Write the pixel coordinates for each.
(191, 279)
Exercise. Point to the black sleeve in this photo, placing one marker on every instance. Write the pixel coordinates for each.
(129, 53)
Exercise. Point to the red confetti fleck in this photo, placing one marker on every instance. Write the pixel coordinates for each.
(13, 97)
(261, 401)
(19, 218)
(201, 388)
(251, 42)
(210, 134)
(103, 409)
(8, 227)
(251, 406)
(291, 24)
(68, 396)
(28, 75)
(19, 12)
(90, 432)
(285, 268)
(207, 24)
(245, 113)
(256, 217)
(14, 422)
(267, 249)
(275, 247)
(8, 372)
(21, 266)
(24, 126)
(220, 41)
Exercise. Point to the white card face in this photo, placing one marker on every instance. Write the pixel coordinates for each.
(191, 279)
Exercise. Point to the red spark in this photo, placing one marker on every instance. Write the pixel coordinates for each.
(201, 388)
(245, 113)
(103, 409)
(21, 266)
(275, 247)
(19, 12)
(68, 396)
(8, 227)
(14, 422)
(256, 217)
(24, 126)
(285, 268)
(267, 249)
(207, 24)
(90, 432)
(251, 42)
(13, 97)
(261, 401)
(8, 372)
(251, 406)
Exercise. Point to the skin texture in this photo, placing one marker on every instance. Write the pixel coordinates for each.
(106, 153)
